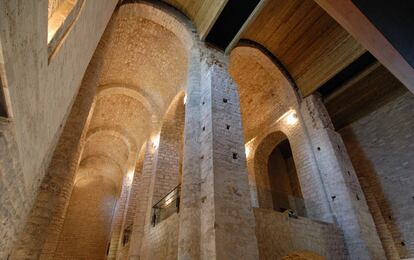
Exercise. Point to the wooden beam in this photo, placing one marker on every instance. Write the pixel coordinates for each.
(246, 24)
(359, 26)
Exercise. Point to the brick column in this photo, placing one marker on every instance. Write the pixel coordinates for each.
(227, 223)
(344, 192)
(189, 231)
(142, 200)
(117, 219)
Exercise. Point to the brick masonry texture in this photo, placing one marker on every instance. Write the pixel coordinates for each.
(42, 96)
(381, 147)
(88, 220)
(279, 235)
(105, 156)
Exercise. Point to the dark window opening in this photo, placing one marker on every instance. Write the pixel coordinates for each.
(284, 183)
(3, 106)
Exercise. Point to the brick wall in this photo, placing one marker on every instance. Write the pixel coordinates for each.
(162, 240)
(42, 94)
(279, 235)
(381, 147)
(88, 220)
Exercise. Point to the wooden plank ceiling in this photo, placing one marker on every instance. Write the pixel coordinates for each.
(364, 93)
(308, 42)
(202, 12)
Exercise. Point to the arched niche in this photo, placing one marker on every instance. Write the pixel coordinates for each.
(277, 182)
(271, 111)
(170, 149)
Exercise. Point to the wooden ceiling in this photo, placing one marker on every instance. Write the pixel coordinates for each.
(202, 12)
(364, 93)
(307, 41)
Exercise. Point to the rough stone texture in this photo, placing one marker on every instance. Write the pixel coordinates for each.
(266, 96)
(189, 232)
(164, 240)
(278, 236)
(227, 219)
(131, 205)
(145, 59)
(41, 94)
(142, 199)
(117, 219)
(47, 215)
(88, 220)
(168, 163)
(14, 200)
(344, 193)
(381, 147)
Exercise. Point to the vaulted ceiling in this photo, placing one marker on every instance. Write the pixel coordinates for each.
(307, 41)
(202, 12)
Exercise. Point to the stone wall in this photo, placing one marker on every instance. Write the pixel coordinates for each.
(279, 235)
(267, 97)
(41, 95)
(162, 240)
(381, 147)
(88, 220)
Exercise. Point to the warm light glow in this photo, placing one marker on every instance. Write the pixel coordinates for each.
(291, 118)
(155, 141)
(168, 202)
(247, 151)
(129, 177)
(185, 99)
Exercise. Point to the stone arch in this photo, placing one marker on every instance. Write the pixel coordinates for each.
(134, 92)
(266, 93)
(114, 131)
(168, 17)
(268, 100)
(170, 149)
(275, 174)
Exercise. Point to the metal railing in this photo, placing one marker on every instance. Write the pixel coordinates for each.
(166, 206)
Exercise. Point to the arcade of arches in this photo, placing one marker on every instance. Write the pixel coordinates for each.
(126, 133)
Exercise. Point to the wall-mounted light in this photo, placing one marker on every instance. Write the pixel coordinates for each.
(247, 150)
(155, 141)
(291, 118)
(185, 99)
(130, 176)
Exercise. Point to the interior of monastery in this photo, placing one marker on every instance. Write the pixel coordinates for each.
(206, 129)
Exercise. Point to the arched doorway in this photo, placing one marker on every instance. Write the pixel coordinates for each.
(276, 177)
(283, 179)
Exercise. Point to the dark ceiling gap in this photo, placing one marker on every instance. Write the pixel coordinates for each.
(229, 22)
(346, 74)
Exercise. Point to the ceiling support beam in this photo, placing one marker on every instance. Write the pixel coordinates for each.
(360, 27)
(246, 24)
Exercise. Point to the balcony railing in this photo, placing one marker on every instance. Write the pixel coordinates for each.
(166, 206)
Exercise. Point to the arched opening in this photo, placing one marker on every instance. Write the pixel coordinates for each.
(61, 15)
(166, 194)
(276, 177)
(284, 182)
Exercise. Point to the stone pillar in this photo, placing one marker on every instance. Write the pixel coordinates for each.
(131, 205)
(342, 188)
(117, 219)
(142, 200)
(227, 223)
(189, 231)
